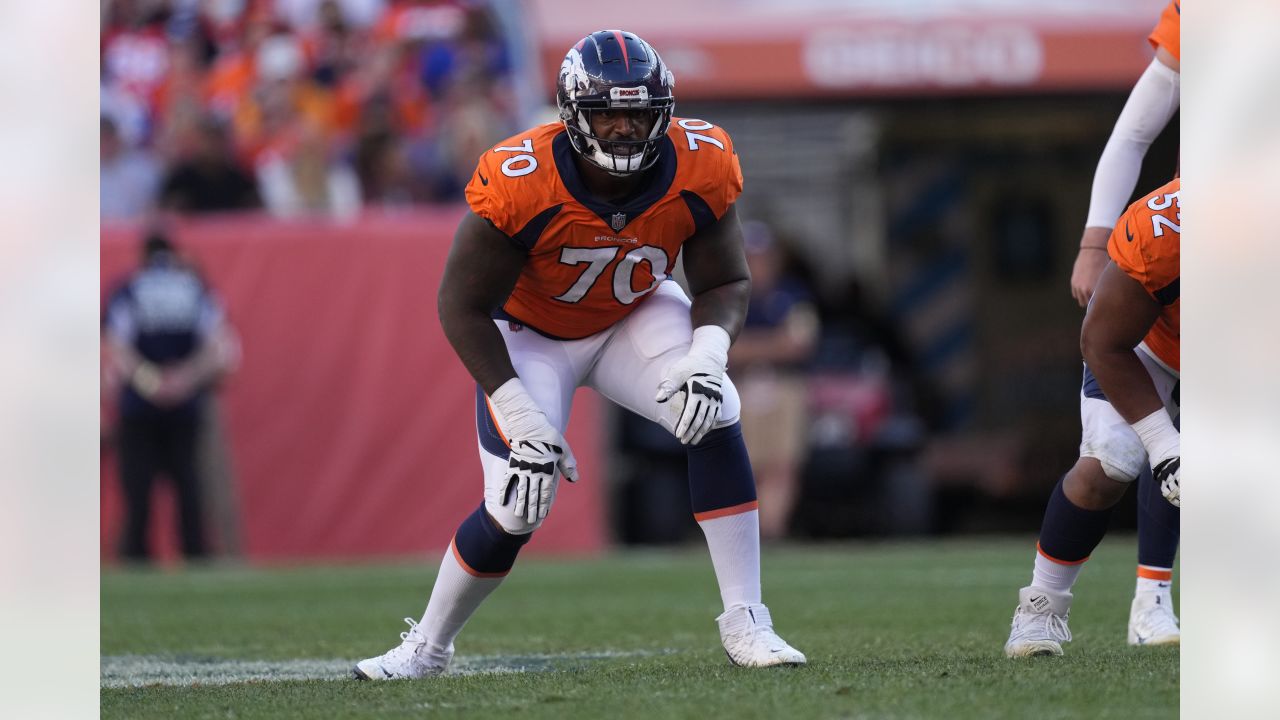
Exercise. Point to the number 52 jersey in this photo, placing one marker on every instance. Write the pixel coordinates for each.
(591, 263)
(1146, 245)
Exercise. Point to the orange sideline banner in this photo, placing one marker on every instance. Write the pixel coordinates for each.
(818, 49)
(351, 422)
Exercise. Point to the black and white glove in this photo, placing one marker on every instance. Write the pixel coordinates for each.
(1164, 449)
(1168, 474)
(538, 451)
(696, 381)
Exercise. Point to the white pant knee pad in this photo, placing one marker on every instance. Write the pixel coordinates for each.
(731, 404)
(1107, 438)
(496, 480)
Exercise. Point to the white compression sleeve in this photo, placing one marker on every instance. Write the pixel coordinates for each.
(1154, 100)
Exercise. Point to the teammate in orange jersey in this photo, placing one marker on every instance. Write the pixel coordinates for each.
(558, 278)
(1154, 100)
(1152, 103)
(1129, 414)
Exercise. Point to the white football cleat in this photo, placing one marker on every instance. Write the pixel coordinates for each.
(1039, 623)
(746, 631)
(413, 658)
(1151, 620)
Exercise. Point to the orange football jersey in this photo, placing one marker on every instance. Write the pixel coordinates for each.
(591, 263)
(1145, 244)
(1166, 35)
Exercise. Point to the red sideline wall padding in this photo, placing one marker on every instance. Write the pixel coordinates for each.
(351, 421)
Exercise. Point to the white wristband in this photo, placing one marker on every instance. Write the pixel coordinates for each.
(711, 342)
(1159, 436)
(516, 410)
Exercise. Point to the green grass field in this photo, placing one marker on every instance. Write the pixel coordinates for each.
(911, 630)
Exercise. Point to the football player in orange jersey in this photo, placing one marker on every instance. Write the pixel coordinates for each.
(1154, 100)
(1152, 103)
(559, 278)
(1129, 415)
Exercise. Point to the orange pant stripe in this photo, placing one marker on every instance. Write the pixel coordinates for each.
(725, 512)
(1153, 573)
(453, 547)
(1047, 556)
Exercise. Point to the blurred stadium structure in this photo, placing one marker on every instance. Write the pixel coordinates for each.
(927, 164)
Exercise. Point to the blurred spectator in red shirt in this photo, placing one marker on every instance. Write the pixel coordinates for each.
(135, 50)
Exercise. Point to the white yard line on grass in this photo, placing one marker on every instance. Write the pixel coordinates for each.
(120, 671)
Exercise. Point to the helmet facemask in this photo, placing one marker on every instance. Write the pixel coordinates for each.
(617, 157)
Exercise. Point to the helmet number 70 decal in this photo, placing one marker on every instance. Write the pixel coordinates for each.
(598, 258)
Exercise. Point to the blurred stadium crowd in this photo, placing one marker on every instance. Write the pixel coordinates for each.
(297, 106)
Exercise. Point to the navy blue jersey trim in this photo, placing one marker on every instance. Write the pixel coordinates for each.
(1090, 387)
(490, 440)
(660, 178)
(528, 235)
(703, 217)
(514, 242)
(1168, 294)
(502, 314)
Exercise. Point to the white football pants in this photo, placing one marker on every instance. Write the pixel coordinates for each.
(624, 363)
(1104, 433)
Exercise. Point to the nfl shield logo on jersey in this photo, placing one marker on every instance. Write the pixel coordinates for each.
(619, 221)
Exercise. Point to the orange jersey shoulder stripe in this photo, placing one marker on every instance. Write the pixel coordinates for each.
(591, 263)
(1146, 245)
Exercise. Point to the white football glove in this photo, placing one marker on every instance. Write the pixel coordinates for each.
(1164, 448)
(1168, 474)
(538, 450)
(699, 375)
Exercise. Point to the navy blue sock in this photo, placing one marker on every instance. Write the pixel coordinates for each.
(1159, 524)
(720, 475)
(1070, 533)
(485, 549)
